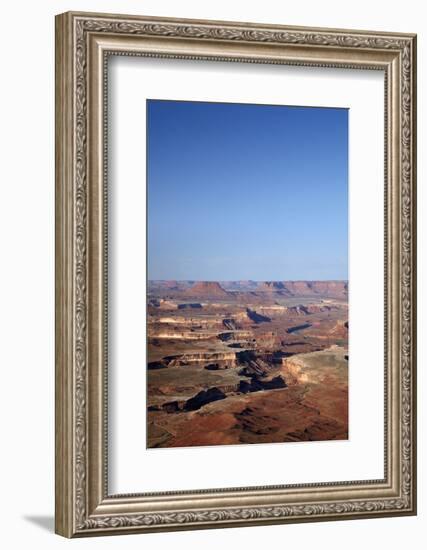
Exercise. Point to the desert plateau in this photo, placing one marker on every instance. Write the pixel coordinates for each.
(239, 362)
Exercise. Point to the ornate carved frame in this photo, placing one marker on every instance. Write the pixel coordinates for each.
(83, 42)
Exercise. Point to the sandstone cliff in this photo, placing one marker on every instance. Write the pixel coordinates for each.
(207, 288)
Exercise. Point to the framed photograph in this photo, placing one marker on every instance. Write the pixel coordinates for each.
(235, 274)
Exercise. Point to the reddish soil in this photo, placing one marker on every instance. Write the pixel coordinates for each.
(264, 364)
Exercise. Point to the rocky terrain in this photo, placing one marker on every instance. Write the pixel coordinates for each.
(246, 362)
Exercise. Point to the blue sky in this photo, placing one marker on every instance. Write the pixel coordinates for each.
(246, 192)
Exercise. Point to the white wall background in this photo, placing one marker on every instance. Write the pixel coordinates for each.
(27, 273)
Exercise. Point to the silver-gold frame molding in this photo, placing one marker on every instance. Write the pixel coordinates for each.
(83, 43)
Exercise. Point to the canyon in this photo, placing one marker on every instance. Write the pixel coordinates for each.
(238, 362)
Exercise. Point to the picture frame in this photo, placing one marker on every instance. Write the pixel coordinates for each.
(84, 42)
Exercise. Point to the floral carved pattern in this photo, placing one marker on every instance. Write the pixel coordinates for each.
(243, 514)
(209, 31)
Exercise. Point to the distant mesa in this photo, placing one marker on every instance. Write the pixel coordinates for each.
(273, 286)
(171, 285)
(334, 289)
(324, 288)
(239, 289)
(242, 286)
(166, 286)
(298, 288)
(207, 288)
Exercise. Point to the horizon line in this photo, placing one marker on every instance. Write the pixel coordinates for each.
(251, 280)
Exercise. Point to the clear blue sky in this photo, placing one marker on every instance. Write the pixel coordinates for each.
(246, 192)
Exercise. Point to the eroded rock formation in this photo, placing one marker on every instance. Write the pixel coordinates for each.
(247, 362)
